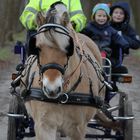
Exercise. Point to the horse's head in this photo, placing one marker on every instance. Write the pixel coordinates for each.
(56, 46)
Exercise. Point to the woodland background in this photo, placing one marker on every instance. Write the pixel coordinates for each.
(11, 30)
(12, 9)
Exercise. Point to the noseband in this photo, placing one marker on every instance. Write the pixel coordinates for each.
(52, 66)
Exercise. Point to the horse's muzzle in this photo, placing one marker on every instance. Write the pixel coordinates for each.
(52, 94)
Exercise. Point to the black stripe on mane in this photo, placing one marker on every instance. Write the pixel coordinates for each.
(57, 2)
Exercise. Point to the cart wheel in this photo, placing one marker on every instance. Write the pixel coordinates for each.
(15, 125)
(126, 110)
(128, 124)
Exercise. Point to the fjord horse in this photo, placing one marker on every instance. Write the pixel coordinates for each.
(60, 71)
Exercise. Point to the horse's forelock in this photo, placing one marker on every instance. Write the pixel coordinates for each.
(42, 39)
(61, 7)
(58, 14)
(52, 39)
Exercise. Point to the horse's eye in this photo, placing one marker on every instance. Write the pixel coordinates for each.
(38, 49)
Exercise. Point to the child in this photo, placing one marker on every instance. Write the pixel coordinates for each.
(120, 13)
(99, 30)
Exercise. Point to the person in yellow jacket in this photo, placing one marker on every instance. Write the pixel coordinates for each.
(74, 7)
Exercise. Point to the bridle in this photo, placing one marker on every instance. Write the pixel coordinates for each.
(52, 26)
(60, 68)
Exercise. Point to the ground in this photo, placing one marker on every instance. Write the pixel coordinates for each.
(133, 90)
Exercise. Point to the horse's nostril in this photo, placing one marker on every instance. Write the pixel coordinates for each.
(58, 89)
(54, 93)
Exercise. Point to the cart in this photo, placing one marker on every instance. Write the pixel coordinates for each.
(21, 125)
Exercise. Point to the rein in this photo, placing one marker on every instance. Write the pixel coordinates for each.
(79, 51)
(67, 79)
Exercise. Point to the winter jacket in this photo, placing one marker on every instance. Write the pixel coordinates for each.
(104, 35)
(127, 31)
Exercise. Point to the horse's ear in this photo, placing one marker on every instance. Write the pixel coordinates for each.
(40, 18)
(65, 19)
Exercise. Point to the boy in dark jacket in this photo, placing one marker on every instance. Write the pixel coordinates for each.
(120, 13)
(99, 30)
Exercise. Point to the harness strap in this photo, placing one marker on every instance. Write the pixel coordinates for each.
(76, 84)
(78, 48)
(30, 60)
(73, 98)
(80, 99)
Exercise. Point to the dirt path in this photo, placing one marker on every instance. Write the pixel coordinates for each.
(133, 91)
(4, 101)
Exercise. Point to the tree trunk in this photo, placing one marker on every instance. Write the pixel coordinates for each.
(9, 15)
(135, 8)
(87, 7)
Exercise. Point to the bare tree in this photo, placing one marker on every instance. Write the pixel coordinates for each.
(135, 7)
(9, 18)
(11, 10)
(87, 7)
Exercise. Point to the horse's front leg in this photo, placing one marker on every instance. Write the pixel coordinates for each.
(77, 132)
(45, 132)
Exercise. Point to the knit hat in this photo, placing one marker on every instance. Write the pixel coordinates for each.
(101, 6)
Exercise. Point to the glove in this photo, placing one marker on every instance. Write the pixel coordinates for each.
(107, 50)
(103, 54)
(126, 51)
(76, 25)
(73, 24)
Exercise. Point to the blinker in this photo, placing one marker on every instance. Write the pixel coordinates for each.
(70, 48)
